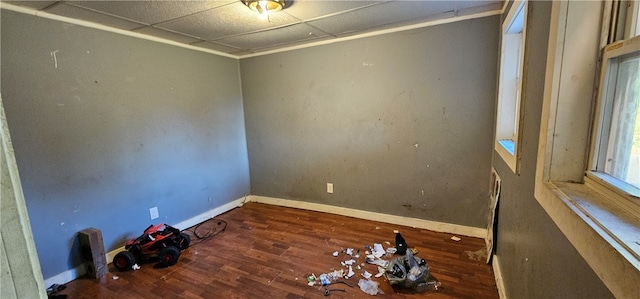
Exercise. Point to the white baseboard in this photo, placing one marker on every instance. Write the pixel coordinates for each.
(76, 272)
(393, 219)
(454, 229)
(194, 220)
(498, 275)
(210, 214)
(66, 276)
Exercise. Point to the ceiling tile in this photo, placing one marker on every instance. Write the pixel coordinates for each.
(151, 12)
(32, 4)
(229, 26)
(157, 32)
(91, 16)
(280, 36)
(227, 20)
(310, 9)
(383, 14)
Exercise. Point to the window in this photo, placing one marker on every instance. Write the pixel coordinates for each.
(630, 22)
(597, 218)
(510, 86)
(616, 152)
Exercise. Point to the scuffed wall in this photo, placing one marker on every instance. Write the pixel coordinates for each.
(400, 123)
(107, 126)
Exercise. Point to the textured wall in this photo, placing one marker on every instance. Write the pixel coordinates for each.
(400, 123)
(106, 126)
(536, 259)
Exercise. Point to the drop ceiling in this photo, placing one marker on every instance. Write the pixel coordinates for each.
(230, 27)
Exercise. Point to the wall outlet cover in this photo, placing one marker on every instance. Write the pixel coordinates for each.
(153, 212)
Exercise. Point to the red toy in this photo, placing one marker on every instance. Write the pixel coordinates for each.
(165, 243)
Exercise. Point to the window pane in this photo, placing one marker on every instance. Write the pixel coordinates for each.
(509, 145)
(623, 152)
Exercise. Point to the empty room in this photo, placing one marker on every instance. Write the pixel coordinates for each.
(310, 149)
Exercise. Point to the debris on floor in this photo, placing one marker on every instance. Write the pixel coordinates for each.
(455, 238)
(369, 286)
(56, 288)
(366, 274)
(350, 273)
(405, 270)
(324, 279)
(411, 272)
(391, 251)
(328, 291)
(52, 291)
(378, 250)
(312, 279)
(401, 244)
(349, 262)
(478, 255)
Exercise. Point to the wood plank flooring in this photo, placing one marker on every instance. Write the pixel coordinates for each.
(269, 251)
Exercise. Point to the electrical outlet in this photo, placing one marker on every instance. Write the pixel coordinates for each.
(153, 212)
(329, 187)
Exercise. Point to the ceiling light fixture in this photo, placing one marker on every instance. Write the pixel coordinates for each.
(264, 7)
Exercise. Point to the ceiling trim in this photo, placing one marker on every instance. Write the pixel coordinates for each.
(379, 32)
(88, 24)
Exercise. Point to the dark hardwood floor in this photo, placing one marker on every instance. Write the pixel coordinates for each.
(269, 251)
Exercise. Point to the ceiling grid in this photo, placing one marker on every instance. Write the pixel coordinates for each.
(230, 27)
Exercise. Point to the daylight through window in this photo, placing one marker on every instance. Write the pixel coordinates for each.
(618, 152)
(509, 95)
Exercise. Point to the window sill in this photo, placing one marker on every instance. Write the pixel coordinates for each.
(609, 184)
(606, 235)
(506, 148)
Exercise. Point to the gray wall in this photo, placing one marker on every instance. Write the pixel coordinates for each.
(119, 126)
(536, 259)
(400, 123)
